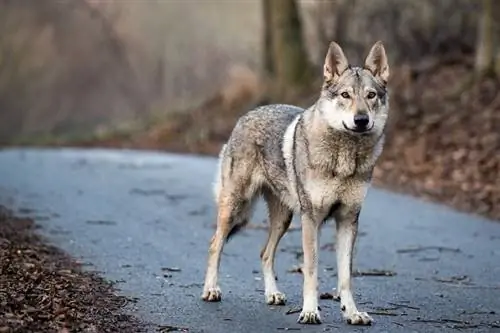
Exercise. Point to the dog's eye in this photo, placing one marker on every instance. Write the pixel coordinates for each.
(371, 95)
(345, 95)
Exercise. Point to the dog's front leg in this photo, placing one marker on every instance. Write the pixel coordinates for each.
(347, 229)
(310, 311)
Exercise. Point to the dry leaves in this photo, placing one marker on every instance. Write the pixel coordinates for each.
(43, 290)
(449, 150)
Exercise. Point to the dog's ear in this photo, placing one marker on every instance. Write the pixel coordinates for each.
(335, 63)
(376, 62)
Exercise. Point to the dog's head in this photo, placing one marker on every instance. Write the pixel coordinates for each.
(355, 99)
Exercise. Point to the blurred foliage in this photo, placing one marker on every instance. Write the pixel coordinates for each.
(56, 76)
(82, 65)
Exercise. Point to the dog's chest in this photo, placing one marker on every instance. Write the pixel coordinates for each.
(324, 191)
(343, 178)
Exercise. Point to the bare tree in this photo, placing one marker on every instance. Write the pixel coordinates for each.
(285, 57)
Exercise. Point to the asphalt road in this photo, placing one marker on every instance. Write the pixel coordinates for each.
(144, 219)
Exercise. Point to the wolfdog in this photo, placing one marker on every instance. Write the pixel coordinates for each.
(314, 162)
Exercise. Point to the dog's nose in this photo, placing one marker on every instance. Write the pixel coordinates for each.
(361, 120)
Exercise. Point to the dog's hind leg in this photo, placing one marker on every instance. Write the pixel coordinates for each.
(233, 214)
(280, 217)
(235, 200)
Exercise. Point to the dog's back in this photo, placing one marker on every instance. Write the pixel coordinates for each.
(256, 148)
(263, 126)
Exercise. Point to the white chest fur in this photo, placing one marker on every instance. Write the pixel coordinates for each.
(323, 192)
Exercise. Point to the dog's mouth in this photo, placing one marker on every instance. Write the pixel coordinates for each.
(357, 130)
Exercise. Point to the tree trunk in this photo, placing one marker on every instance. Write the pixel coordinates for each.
(285, 57)
(268, 40)
(487, 60)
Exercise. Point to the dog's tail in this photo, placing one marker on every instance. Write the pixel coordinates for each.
(219, 173)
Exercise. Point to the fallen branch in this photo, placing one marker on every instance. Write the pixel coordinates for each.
(373, 272)
(293, 310)
(383, 313)
(426, 248)
(404, 306)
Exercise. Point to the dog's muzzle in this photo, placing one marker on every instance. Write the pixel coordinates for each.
(361, 123)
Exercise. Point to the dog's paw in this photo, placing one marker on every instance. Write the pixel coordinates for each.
(309, 317)
(359, 318)
(276, 298)
(212, 295)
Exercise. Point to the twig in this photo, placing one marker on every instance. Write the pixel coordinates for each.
(374, 272)
(425, 248)
(383, 313)
(404, 306)
(461, 280)
(170, 269)
(293, 310)
(370, 272)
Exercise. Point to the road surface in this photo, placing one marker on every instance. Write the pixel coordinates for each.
(144, 219)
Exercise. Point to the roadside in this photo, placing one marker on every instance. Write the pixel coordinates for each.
(44, 290)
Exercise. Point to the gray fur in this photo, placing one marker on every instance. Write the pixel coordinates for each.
(311, 162)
